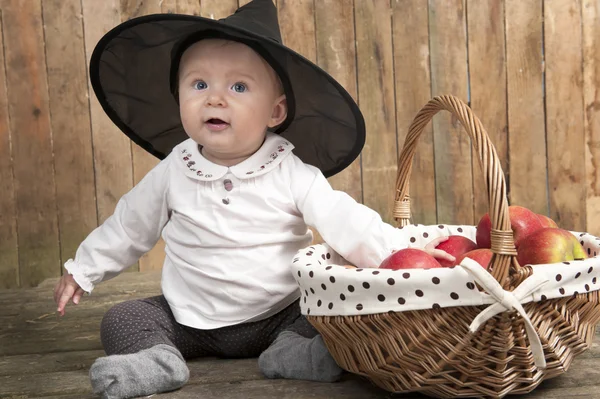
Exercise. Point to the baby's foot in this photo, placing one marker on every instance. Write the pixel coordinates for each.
(296, 357)
(157, 369)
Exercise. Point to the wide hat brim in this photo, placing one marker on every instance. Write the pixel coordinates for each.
(130, 73)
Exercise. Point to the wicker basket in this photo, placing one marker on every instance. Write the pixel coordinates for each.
(433, 351)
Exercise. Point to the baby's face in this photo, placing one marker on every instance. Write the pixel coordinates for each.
(228, 96)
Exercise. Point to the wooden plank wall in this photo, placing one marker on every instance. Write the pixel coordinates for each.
(529, 69)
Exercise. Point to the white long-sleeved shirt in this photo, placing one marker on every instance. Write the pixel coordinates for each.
(230, 232)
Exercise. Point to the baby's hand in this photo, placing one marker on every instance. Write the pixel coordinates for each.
(438, 253)
(66, 288)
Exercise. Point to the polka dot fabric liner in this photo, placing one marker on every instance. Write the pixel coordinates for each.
(329, 289)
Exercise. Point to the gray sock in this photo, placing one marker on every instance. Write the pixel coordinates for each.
(296, 357)
(157, 369)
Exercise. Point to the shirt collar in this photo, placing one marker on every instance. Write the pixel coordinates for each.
(268, 157)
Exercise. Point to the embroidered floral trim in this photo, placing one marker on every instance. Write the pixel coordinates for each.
(273, 156)
(187, 157)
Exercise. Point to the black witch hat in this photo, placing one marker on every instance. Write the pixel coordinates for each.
(133, 67)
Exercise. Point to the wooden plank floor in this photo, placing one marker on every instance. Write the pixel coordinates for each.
(44, 356)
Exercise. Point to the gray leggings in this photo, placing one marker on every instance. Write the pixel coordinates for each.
(132, 326)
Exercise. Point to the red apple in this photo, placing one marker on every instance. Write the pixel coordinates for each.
(522, 222)
(483, 256)
(549, 245)
(455, 246)
(546, 221)
(409, 258)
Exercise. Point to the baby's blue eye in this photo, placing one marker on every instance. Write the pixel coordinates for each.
(200, 85)
(239, 87)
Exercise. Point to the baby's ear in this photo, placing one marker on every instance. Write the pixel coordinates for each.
(279, 112)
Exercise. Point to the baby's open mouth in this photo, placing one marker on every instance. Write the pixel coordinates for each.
(216, 124)
(216, 121)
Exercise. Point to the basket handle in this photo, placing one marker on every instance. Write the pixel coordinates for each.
(503, 265)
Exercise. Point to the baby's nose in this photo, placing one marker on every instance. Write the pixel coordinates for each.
(216, 99)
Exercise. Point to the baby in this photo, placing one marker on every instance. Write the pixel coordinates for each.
(233, 203)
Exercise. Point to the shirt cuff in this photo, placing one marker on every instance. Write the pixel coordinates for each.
(78, 275)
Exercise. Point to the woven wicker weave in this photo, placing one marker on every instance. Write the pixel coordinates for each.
(432, 351)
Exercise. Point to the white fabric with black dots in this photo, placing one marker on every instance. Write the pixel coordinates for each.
(329, 289)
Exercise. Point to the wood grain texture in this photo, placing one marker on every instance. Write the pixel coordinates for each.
(9, 251)
(487, 82)
(51, 357)
(453, 174)
(526, 123)
(216, 9)
(591, 107)
(72, 136)
(239, 379)
(297, 24)
(412, 83)
(392, 56)
(37, 225)
(189, 7)
(336, 54)
(375, 68)
(565, 135)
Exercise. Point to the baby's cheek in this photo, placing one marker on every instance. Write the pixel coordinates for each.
(188, 113)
